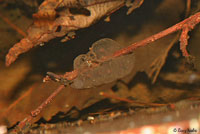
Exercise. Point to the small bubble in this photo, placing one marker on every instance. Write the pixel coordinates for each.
(41, 44)
(90, 118)
(3, 129)
(192, 78)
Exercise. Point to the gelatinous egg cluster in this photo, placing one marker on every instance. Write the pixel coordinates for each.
(93, 72)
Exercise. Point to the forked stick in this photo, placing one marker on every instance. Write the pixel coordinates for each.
(38, 110)
(185, 25)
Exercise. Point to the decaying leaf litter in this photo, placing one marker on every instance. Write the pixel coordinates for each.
(56, 18)
(145, 29)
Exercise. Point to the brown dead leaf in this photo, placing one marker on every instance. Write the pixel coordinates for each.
(30, 100)
(152, 17)
(56, 18)
(8, 35)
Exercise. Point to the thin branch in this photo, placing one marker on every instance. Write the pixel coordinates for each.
(188, 8)
(186, 25)
(27, 121)
(16, 28)
(130, 101)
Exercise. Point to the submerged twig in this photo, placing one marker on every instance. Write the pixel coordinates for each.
(27, 121)
(16, 28)
(130, 101)
(186, 25)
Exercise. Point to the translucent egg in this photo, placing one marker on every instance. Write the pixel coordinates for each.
(93, 73)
